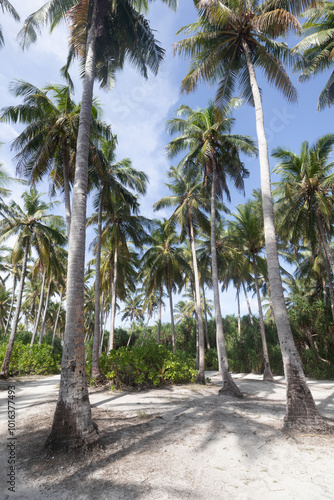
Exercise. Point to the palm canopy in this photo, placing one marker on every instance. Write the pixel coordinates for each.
(317, 49)
(217, 46)
(189, 199)
(47, 144)
(305, 189)
(122, 32)
(7, 6)
(205, 133)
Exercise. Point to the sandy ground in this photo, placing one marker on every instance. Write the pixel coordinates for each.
(173, 443)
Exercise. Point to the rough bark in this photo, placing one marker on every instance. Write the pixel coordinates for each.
(66, 189)
(6, 361)
(228, 385)
(169, 286)
(11, 306)
(206, 321)
(298, 394)
(200, 378)
(39, 310)
(72, 424)
(96, 373)
(267, 374)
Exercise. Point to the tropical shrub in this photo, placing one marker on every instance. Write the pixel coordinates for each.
(25, 360)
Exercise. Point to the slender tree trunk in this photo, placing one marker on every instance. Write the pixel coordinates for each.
(159, 318)
(11, 306)
(72, 424)
(206, 321)
(132, 328)
(45, 313)
(96, 373)
(145, 331)
(113, 302)
(171, 310)
(228, 385)
(248, 304)
(300, 410)
(39, 310)
(239, 314)
(66, 189)
(103, 319)
(57, 318)
(6, 361)
(200, 378)
(267, 374)
(329, 261)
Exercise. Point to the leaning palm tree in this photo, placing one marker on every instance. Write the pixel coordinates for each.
(206, 136)
(7, 6)
(305, 198)
(317, 48)
(102, 34)
(33, 227)
(232, 38)
(190, 200)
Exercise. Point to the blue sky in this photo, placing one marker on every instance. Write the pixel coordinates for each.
(138, 109)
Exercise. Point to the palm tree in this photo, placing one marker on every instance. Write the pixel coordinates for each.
(34, 228)
(165, 263)
(205, 133)
(305, 198)
(7, 6)
(47, 144)
(189, 199)
(316, 49)
(133, 310)
(231, 39)
(126, 33)
(111, 178)
(247, 233)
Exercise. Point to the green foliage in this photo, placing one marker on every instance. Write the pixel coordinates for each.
(211, 359)
(38, 359)
(146, 366)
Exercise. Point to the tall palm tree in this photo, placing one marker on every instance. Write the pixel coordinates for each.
(190, 200)
(33, 227)
(103, 34)
(111, 179)
(7, 6)
(247, 233)
(316, 49)
(166, 263)
(231, 39)
(305, 198)
(206, 134)
(133, 310)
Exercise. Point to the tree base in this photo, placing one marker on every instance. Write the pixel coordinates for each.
(200, 378)
(56, 443)
(267, 375)
(301, 412)
(229, 387)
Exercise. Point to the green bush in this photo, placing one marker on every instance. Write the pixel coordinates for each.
(145, 366)
(38, 359)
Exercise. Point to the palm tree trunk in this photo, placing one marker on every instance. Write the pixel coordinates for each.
(96, 373)
(45, 313)
(66, 189)
(228, 385)
(300, 409)
(72, 424)
(200, 378)
(239, 314)
(159, 318)
(11, 306)
(132, 328)
(6, 361)
(57, 318)
(248, 304)
(113, 302)
(169, 286)
(329, 261)
(267, 374)
(206, 321)
(39, 310)
(103, 319)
